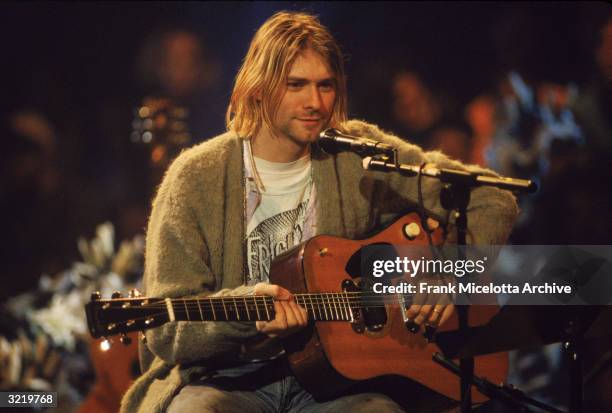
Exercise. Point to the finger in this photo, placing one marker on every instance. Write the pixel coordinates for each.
(280, 319)
(304, 314)
(423, 314)
(272, 290)
(434, 317)
(266, 328)
(432, 223)
(413, 311)
(448, 311)
(284, 294)
(299, 316)
(260, 326)
(290, 316)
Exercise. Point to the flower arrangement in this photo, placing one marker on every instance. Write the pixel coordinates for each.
(43, 333)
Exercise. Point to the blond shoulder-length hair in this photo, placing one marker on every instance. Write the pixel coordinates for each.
(261, 81)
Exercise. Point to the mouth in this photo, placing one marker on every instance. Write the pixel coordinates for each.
(310, 121)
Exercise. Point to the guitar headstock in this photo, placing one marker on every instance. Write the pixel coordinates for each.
(120, 315)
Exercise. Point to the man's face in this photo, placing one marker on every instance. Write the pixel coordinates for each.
(308, 99)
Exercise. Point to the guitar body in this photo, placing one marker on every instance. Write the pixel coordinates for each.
(334, 355)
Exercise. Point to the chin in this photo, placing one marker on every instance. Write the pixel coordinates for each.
(306, 137)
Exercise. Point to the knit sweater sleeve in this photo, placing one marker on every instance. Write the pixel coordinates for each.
(177, 265)
(491, 212)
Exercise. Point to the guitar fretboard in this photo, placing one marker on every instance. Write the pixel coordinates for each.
(338, 306)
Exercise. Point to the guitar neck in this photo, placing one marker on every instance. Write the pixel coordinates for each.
(337, 306)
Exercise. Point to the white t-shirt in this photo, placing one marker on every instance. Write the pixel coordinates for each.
(277, 223)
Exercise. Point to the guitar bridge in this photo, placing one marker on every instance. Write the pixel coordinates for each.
(348, 286)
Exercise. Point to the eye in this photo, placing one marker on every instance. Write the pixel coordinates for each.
(294, 85)
(326, 87)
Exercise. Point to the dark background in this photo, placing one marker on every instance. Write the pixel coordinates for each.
(76, 72)
(76, 63)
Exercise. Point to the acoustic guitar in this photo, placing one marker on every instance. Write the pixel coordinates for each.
(354, 334)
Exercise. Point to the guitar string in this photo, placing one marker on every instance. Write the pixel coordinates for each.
(321, 295)
(315, 313)
(240, 306)
(327, 300)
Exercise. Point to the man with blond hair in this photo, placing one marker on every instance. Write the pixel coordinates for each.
(228, 206)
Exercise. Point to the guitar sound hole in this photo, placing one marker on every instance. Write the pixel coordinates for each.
(361, 262)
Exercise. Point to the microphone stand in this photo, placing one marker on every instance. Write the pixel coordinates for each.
(455, 195)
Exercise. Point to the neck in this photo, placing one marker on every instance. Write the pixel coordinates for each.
(277, 149)
(333, 306)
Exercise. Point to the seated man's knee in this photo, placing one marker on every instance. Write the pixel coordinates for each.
(203, 399)
(372, 403)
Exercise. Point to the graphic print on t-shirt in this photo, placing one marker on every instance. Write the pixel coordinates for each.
(272, 237)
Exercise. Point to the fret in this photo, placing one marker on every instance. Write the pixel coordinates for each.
(170, 309)
(347, 308)
(350, 307)
(200, 309)
(314, 315)
(342, 307)
(257, 307)
(186, 309)
(246, 305)
(212, 307)
(224, 309)
(236, 307)
(299, 300)
(324, 306)
(331, 306)
(266, 307)
(334, 304)
(273, 311)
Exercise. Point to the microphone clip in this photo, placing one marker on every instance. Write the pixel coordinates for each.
(333, 141)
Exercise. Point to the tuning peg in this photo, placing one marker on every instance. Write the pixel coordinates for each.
(105, 344)
(125, 340)
(116, 294)
(95, 296)
(134, 293)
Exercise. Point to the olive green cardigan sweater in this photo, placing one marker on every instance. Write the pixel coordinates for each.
(195, 241)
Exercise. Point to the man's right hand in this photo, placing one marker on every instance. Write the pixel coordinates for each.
(289, 316)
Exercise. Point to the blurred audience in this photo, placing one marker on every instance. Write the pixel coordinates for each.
(593, 106)
(422, 118)
(42, 205)
(415, 107)
(175, 64)
(480, 115)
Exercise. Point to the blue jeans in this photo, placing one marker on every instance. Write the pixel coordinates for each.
(268, 387)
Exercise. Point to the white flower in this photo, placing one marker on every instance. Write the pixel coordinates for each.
(63, 319)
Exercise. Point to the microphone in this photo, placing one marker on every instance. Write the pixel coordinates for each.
(333, 141)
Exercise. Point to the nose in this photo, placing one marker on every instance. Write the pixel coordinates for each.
(313, 99)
